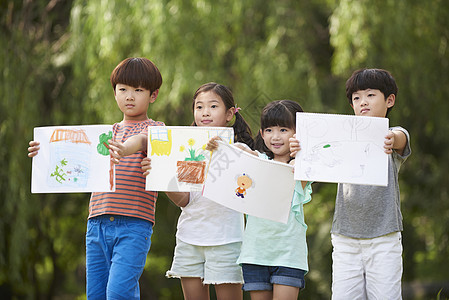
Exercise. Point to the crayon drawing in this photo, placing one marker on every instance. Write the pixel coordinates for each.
(340, 148)
(161, 141)
(249, 184)
(192, 168)
(72, 159)
(178, 156)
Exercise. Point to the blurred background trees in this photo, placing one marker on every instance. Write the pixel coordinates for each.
(56, 58)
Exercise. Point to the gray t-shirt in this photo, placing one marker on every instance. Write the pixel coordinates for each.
(364, 211)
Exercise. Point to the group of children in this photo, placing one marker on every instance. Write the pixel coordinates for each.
(214, 244)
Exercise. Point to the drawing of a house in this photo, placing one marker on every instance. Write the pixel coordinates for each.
(160, 141)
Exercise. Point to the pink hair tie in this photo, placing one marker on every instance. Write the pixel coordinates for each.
(237, 109)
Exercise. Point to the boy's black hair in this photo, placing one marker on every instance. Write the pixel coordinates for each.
(277, 113)
(137, 72)
(242, 131)
(376, 79)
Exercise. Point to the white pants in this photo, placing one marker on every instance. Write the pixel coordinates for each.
(367, 268)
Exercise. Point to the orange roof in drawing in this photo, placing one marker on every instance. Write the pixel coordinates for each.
(74, 136)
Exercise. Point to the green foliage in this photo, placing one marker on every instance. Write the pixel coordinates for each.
(56, 59)
(102, 147)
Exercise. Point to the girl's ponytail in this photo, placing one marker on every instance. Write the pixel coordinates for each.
(242, 131)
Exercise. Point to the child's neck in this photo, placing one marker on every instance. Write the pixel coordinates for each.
(282, 158)
(132, 119)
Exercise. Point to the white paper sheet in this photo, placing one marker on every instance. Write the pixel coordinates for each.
(341, 148)
(178, 156)
(72, 159)
(249, 184)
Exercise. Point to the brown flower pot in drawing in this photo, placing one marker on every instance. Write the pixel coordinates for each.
(191, 171)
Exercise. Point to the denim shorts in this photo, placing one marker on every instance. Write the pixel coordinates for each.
(262, 278)
(116, 251)
(213, 264)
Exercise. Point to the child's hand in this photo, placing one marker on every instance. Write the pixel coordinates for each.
(294, 146)
(116, 149)
(389, 142)
(33, 149)
(292, 163)
(146, 165)
(212, 144)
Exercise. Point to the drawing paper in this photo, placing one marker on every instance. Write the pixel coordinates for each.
(72, 159)
(341, 148)
(249, 184)
(178, 156)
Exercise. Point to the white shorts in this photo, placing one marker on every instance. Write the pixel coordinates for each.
(367, 268)
(213, 264)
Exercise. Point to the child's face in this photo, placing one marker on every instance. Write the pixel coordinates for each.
(210, 110)
(276, 140)
(371, 103)
(133, 102)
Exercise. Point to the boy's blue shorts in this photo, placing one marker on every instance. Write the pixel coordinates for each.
(262, 278)
(116, 251)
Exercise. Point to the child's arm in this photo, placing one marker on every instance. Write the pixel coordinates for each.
(395, 140)
(180, 199)
(295, 148)
(135, 143)
(33, 149)
(212, 145)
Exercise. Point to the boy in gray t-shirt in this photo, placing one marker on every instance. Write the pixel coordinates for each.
(367, 224)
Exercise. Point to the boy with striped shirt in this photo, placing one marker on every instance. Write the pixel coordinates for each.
(120, 223)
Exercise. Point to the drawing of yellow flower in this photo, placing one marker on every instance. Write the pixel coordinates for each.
(192, 153)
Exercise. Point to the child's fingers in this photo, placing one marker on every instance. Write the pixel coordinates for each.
(294, 146)
(388, 148)
(212, 145)
(32, 154)
(146, 165)
(115, 160)
(389, 142)
(115, 155)
(33, 150)
(146, 170)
